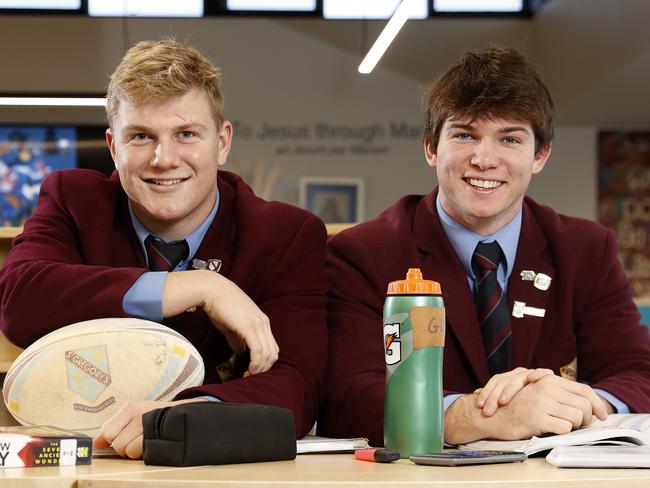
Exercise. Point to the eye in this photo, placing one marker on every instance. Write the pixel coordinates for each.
(463, 136)
(186, 134)
(139, 137)
(511, 140)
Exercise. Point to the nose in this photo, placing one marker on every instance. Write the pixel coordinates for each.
(484, 155)
(165, 155)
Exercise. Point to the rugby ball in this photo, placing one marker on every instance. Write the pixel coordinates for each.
(80, 375)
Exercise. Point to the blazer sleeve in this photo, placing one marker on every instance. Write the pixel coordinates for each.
(46, 282)
(294, 299)
(354, 405)
(613, 347)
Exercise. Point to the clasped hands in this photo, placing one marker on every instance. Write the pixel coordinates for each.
(536, 401)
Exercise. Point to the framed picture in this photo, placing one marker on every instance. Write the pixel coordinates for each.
(334, 200)
(27, 155)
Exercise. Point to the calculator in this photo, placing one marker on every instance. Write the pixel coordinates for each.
(465, 458)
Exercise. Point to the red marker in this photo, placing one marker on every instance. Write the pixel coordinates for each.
(376, 455)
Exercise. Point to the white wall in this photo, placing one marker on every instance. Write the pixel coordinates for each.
(276, 74)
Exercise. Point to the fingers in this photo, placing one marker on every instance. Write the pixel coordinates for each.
(242, 321)
(123, 431)
(263, 348)
(575, 402)
(585, 399)
(501, 388)
(133, 449)
(100, 442)
(538, 373)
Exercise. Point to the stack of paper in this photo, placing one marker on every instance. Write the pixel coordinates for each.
(312, 444)
(600, 457)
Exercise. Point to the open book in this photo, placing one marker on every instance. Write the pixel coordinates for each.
(632, 429)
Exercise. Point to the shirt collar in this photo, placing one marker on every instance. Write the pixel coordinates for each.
(193, 240)
(464, 241)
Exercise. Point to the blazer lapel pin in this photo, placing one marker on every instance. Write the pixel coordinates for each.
(540, 281)
(211, 265)
(519, 309)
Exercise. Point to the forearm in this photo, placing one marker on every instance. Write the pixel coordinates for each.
(184, 290)
(39, 297)
(465, 422)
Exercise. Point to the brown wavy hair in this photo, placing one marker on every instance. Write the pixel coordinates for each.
(496, 82)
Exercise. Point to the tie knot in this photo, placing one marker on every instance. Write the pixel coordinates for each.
(487, 255)
(165, 256)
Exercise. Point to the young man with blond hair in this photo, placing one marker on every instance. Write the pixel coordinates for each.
(87, 251)
(542, 331)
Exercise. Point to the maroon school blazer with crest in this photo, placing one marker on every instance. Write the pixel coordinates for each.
(590, 313)
(79, 254)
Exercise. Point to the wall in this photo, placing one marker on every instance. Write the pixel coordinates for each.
(280, 74)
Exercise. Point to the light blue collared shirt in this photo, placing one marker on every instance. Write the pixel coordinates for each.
(464, 242)
(144, 298)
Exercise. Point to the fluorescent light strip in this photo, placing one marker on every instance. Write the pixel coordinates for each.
(393, 26)
(53, 101)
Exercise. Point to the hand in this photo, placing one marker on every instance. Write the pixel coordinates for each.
(500, 389)
(552, 404)
(123, 431)
(231, 311)
(242, 323)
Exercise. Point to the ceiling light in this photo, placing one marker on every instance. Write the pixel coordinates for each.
(386, 37)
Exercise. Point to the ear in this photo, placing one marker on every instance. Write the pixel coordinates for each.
(225, 139)
(540, 158)
(430, 153)
(110, 142)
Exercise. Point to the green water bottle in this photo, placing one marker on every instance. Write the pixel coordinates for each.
(414, 336)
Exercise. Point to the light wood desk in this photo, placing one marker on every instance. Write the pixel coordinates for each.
(67, 476)
(315, 471)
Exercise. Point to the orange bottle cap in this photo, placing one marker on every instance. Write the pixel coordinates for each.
(414, 285)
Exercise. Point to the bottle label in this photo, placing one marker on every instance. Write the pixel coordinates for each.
(428, 326)
(392, 343)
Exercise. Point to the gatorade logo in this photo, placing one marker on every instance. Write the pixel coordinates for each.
(392, 344)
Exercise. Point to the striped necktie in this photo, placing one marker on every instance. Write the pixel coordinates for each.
(165, 256)
(492, 307)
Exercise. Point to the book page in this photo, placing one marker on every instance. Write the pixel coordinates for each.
(619, 429)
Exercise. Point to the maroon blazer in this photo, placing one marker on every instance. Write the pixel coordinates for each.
(590, 313)
(79, 254)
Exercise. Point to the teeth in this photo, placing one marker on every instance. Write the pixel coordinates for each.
(484, 183)
(166, 182)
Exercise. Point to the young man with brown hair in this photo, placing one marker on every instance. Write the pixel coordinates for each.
(89, 250)
(556, 341)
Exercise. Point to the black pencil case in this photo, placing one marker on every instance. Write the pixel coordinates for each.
(195, 434)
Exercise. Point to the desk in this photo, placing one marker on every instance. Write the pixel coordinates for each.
(67, 476)
(320, 470)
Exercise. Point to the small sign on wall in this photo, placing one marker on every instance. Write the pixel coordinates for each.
(334, 199)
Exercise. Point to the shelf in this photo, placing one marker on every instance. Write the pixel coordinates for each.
(9, 232)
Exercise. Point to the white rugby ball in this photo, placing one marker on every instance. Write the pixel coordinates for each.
(80, 375)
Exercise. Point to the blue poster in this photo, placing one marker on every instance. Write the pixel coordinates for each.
(27, 155)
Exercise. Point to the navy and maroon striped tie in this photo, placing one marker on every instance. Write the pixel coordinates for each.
(165, 256)
(492, 307)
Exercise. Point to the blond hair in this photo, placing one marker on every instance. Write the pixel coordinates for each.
(153, 71)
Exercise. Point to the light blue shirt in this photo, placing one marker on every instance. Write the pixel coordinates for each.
(144, 298)
(464, 242)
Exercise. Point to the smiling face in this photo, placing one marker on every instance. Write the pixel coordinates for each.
(167, 155)
(484, 167)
